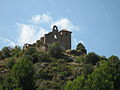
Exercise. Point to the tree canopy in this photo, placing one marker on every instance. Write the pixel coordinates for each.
(23, 73)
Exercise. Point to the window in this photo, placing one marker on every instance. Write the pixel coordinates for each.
(55, 36)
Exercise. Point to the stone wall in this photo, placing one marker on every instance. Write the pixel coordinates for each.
(63, 37)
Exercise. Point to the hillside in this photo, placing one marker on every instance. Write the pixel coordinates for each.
(56, 69)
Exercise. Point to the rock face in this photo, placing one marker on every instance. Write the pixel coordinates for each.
(63, 37)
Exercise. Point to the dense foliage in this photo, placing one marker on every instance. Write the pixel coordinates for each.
(55, 50)
(105, 77)
(33, 69)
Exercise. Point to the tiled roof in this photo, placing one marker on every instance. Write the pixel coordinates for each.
(64, 30)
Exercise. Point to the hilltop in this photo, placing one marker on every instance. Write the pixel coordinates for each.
(57, 69)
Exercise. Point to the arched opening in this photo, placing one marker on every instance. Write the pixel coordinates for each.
(55, 36)
(55, 28)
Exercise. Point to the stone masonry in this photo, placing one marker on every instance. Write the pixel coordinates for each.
(63, 37)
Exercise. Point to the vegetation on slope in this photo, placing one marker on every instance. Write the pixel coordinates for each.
(56, 69)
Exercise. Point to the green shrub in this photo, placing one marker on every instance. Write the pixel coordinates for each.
(81, 49)
(23, 73)
(6, 52)
(35, 56)
(87, 69)
(43, 74)
(17, 51)
(92, 58)
(55, 50)
(10, 63)
(80, 59)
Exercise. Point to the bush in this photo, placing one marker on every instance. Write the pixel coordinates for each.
(77, 84)
(104, 77)
(87, 69)
(81, 48)
(10, 63)
(43, 57)
(69, 59)
(80, 59)
(23, 72)
(92, 58)
(16, 51)
(10, 83)
(42, 74)
(30, 51)
(6, 52)
(113, 58)
(35, 56)
(55, 51)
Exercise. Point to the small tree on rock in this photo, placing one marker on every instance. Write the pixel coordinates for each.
(81, 49)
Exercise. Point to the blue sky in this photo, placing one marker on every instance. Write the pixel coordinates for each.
(96, 23)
